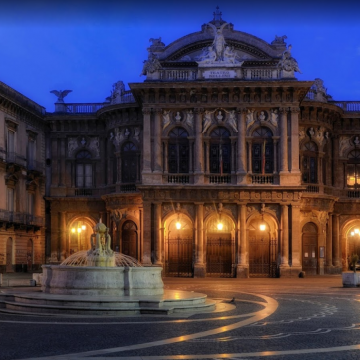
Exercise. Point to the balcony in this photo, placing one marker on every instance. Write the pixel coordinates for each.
(348, 106)
(219, 179)
(14, 158)
(35, 166)
(262, 179)
(178, 179)
(19, 218)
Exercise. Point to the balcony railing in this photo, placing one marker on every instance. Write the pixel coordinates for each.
(178, 179)
(34, 165)
(20, 218)
(312, 189)
(14, 158)
(348, 106)
(220, 179)
(262, 179)
(128, 188)
(353, 193)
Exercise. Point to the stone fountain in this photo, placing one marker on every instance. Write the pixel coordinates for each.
(101, 271)
(102, 282)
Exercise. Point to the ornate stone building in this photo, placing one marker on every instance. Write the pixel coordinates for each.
(22, 184)
(221, 163)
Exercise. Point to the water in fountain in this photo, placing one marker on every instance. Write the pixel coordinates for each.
(80, 258)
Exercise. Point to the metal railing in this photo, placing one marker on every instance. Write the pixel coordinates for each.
(34, 165)
(312, 189)
(20, 218)
(14, 158)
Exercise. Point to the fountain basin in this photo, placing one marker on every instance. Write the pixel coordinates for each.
(111, 281)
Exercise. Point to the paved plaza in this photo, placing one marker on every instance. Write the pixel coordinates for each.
(286, 318)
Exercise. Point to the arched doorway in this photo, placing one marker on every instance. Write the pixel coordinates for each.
(30, 254)
(179, 248)
(129, 239)
(80, 231)
(309, 248)
(220, 247)
(263, 250)
(9, 255)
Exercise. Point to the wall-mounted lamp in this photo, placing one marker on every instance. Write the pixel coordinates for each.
(262, 224)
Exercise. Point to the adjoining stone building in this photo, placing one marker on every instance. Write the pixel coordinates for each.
(221, 163)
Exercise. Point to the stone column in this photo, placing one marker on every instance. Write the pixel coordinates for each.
(157, 233)
(284, 251)
(242, 270)
(241, 148)
(296, 238)
(275, 142)
(329, 255)
(63, 236)
(62, 162)
(54, 159)
(146, 234)
(284, 141)
(337, 180)
(157, 141)
(55, 235)
(199, 154)
(147, 141)
(295, 142)
(336, 242)
(319, 168)
(166, 157)
(191, 155)
(249, 143)
(199, 266)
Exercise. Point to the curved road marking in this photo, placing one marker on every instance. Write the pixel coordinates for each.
(270, 307)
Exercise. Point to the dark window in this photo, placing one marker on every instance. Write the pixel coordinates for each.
(309, 163)
(130, 161)
(84, 169)
(220, 151)
(178, 151)
(262, 151)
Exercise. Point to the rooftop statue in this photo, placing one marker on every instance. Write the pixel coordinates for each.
(60, 94)
(218, 53)
(150, 65)
(287, 62)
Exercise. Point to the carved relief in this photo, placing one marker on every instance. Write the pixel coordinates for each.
(344, 145)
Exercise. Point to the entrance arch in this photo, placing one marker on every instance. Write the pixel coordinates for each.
(309, 248)
(179, 247)
(9, 255)
(220, 247)
(80, 230)
(263, 248)
(129, 236)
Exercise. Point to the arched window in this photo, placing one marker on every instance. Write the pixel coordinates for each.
(220, 151)
(262, 151)
(309, 163)
(353, 169)
(84, 169)
(130, 161)
(178, 151)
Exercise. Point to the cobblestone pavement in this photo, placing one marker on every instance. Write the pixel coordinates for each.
(311, 318)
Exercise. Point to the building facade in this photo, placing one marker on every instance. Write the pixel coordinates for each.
(221, 163)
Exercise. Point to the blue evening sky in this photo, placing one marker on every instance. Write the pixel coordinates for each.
(86, 46)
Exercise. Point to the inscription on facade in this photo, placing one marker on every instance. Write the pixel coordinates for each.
(219, 74)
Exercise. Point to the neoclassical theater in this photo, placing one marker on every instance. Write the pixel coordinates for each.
(218, 163)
